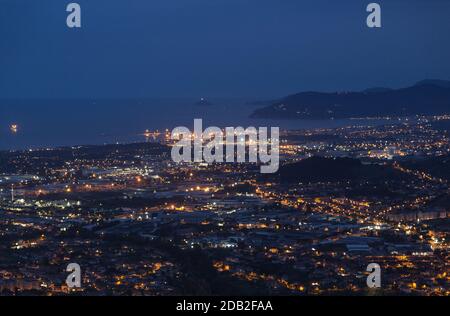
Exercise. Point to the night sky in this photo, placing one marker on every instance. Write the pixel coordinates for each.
(218, 48)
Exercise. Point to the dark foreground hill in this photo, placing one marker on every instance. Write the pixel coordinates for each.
(428, 97)
(436, 166)
(318, 169)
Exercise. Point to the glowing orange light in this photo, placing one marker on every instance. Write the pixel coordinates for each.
(14, 128)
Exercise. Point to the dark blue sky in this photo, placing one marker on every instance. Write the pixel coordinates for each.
(217, 48)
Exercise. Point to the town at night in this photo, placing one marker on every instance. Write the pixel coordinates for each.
(140, 224)
(221, 156)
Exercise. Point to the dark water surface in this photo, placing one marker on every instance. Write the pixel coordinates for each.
(54, 123)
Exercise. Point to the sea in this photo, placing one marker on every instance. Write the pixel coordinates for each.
(56, 123)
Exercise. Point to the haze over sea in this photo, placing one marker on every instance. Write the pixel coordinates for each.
(54, 123)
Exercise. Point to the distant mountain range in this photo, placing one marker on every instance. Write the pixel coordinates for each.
(427, 97)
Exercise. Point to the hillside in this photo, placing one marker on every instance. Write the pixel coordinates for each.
(318, 169)
(428, 97)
